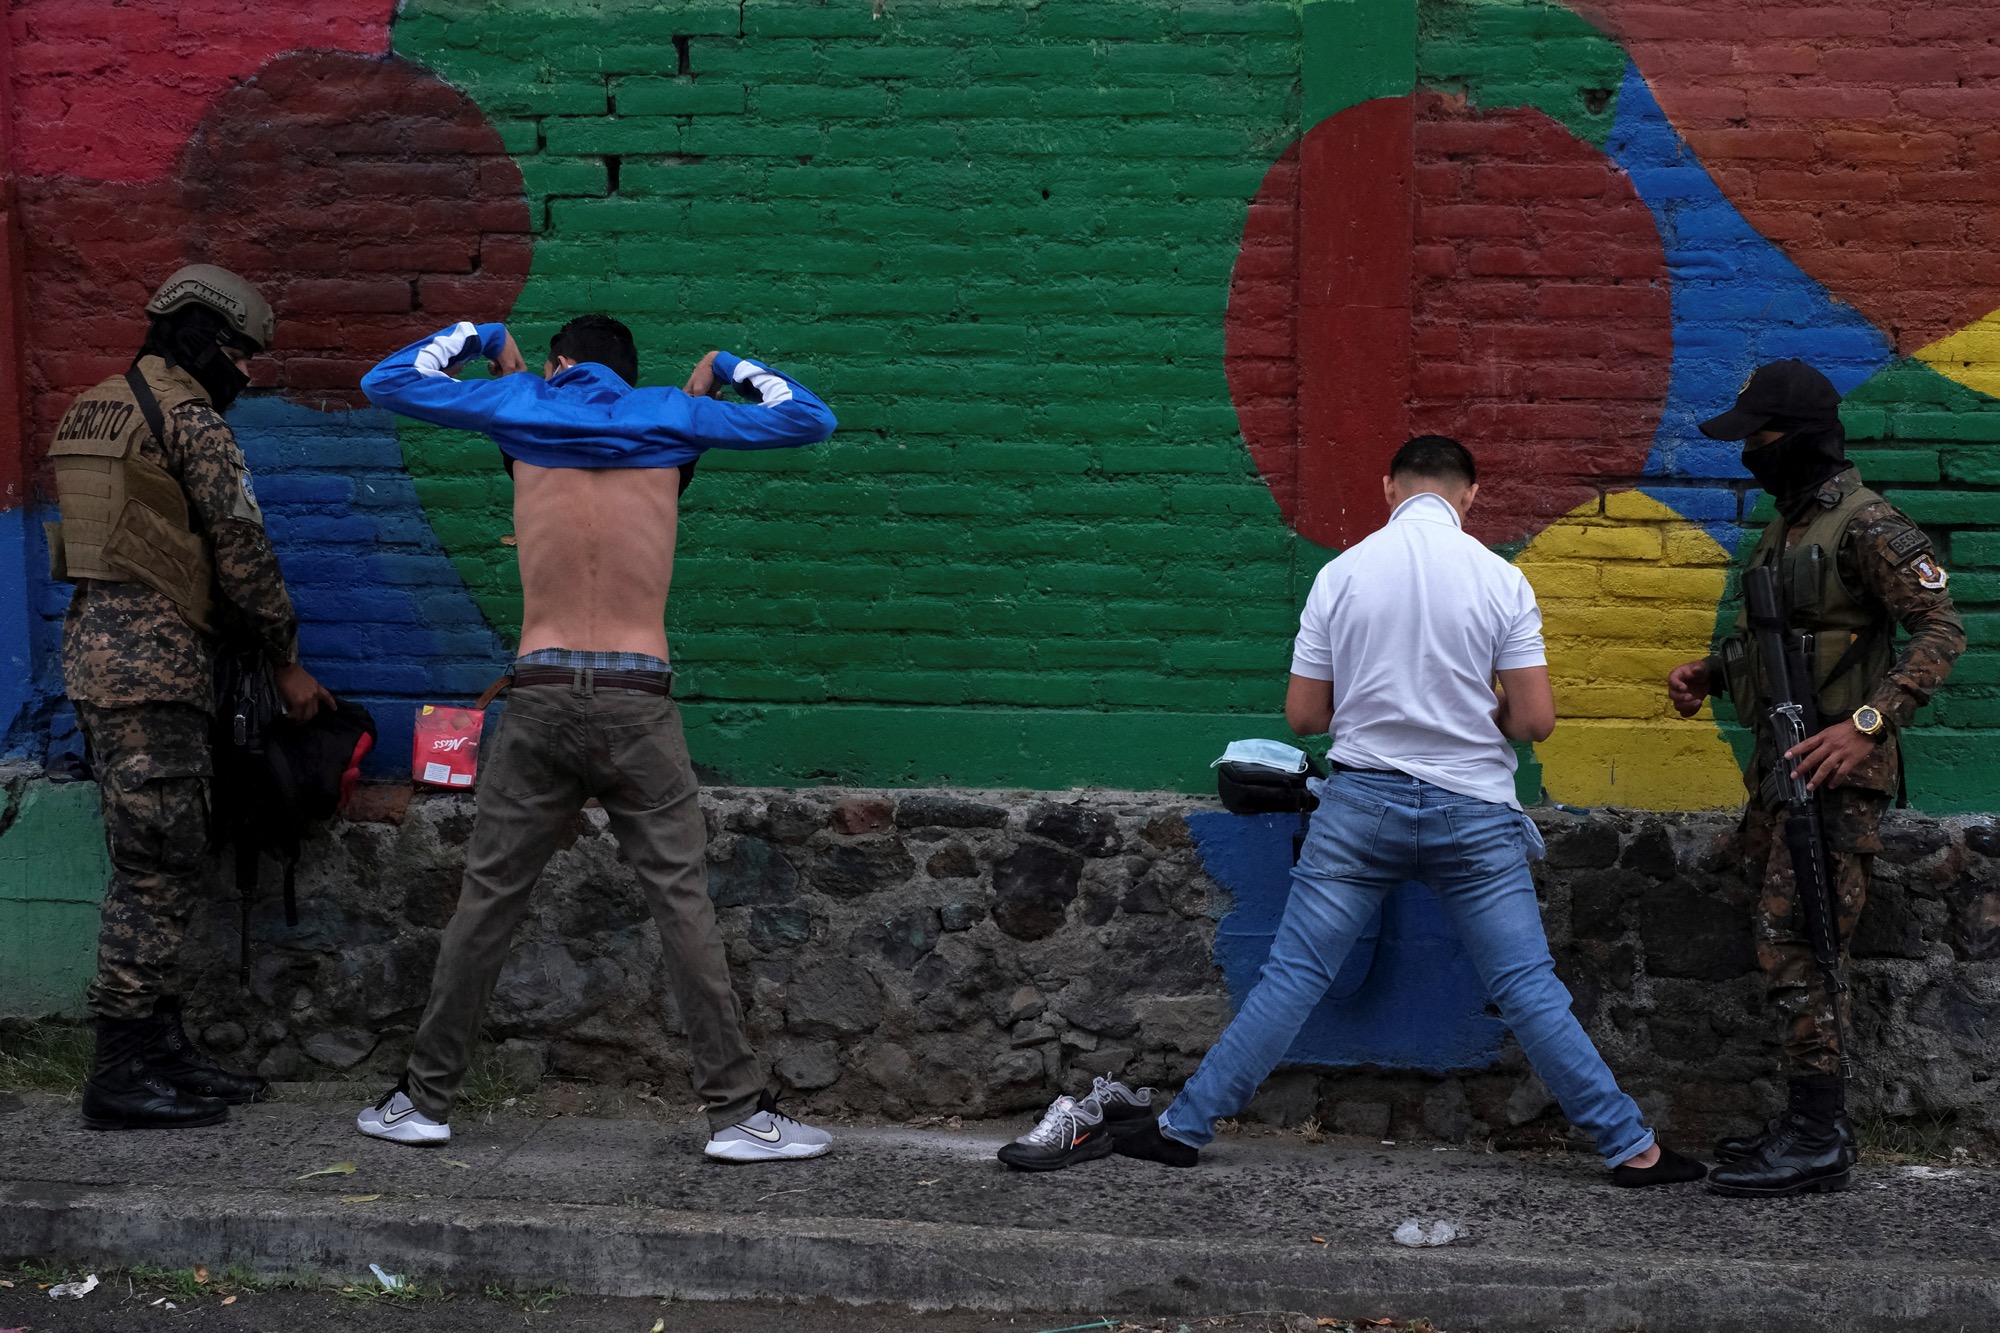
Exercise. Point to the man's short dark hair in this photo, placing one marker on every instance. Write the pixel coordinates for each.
(598, 338)
(1435, 458)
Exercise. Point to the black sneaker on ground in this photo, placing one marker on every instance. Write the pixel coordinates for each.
(1147, 1143)
(1125, 1109)
(1671, 1169)
(1803, 1157)
(1070, 1131)
(172, 1054)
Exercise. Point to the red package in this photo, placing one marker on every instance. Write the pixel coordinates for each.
(446, 753)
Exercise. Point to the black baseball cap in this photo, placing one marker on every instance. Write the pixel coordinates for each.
(1789, 389)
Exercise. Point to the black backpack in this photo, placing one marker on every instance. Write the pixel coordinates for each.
(275, 777)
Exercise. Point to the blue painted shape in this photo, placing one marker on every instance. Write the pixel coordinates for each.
(17, 617)
(1738, 302)
(384, 617)
(1416, 1004)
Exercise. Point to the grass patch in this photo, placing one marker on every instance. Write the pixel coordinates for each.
(492, 1079)
(1920, 1139)
(45, 1057)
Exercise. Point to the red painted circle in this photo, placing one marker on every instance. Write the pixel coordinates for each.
(1539, 320)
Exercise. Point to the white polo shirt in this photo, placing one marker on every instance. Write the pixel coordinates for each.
(1410, 624)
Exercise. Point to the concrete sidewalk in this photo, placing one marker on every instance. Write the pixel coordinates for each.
(928, 1217)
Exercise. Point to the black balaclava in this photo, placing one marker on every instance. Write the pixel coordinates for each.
(1796, 464)
(193, 338)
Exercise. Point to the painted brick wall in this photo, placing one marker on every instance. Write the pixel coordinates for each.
(1121, 306)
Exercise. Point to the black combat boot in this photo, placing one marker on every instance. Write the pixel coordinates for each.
(123, 1092)
(1809, 1149)
(1804, 1092)
(172, 1054)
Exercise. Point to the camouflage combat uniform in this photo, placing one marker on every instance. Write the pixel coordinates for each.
(143, 682)
(1887, 567)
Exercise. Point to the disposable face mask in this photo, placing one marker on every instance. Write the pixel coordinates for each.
(1274, 755)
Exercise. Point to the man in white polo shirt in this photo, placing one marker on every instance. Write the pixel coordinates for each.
(1397, 657)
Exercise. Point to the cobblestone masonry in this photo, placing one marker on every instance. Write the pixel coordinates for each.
(917, 953)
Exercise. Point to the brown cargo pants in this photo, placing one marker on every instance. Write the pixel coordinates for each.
(558, 745)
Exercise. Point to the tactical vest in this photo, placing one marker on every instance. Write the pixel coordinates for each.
(1851, 647)
(125, 518)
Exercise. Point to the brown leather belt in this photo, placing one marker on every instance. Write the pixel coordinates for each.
(646, 682)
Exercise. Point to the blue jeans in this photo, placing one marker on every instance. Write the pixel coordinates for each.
(1371, 833)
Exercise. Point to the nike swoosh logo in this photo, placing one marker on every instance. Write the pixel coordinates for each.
(769, 1136)
(392, 1117)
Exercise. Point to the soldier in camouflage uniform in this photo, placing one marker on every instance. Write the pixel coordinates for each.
(162, 536)
(1851, 568)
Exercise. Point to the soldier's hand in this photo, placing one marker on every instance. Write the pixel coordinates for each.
(1825, 759)
(1687, 687)
(303, 695)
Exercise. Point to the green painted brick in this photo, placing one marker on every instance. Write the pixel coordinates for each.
(1975, 548)
(777, 102)
(1889, 465)
(1033, 60)
(519, 137)
(914, 61)
(1969, 467)
(1948, 425)
(709, 136)
(1085, 100)
(678, 97)
(611, 134)
(1246, 16)
(546, 175)
(1947, 507)
(987, 100)
(781, 18)
(961, 23)
(753, 59)
(507, 97)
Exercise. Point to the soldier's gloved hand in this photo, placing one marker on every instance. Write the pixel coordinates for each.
(303, 695)
(1688, 687)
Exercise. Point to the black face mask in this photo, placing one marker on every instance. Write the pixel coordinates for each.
(1796, 463)
(193, 339)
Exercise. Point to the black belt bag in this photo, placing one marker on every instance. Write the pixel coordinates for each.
(1253, 789)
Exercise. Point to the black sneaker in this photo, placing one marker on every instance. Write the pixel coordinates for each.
(1146, 1142)
(1125, 1109)
(1070, 1131)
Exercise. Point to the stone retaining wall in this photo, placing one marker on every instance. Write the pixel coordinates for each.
(914, 953)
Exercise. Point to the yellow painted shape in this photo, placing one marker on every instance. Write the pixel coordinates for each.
(1971, 356)
(1628, 592)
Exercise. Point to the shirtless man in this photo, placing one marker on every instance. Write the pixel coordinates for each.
(598, 470)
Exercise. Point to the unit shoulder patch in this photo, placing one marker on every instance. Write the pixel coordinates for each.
(1908, 543)
(1929, 573)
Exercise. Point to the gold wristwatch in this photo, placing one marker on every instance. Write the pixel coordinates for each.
(1868, 720)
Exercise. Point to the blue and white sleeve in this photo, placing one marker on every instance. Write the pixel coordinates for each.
(414, 381)
(787, 415)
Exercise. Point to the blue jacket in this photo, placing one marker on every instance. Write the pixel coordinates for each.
(587, 416)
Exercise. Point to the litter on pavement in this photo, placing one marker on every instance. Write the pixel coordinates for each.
(1417, 1232)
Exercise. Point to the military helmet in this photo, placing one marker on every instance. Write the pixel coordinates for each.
(221, 291)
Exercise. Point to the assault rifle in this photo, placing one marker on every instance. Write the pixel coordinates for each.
(1792, 717)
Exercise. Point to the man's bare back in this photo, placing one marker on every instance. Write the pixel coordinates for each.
(597, 555)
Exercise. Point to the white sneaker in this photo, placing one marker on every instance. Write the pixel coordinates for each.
(397, 1119)
(767, 1135)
